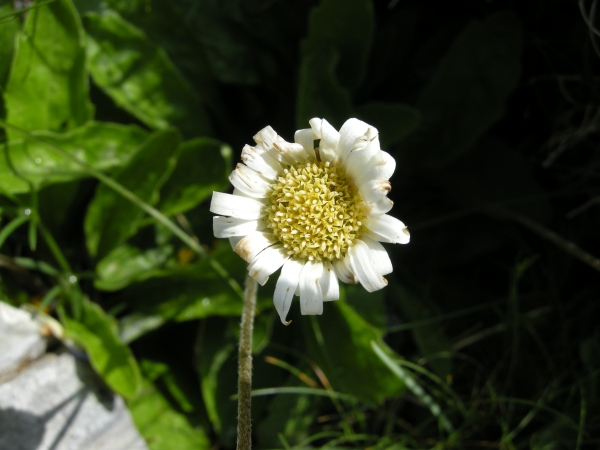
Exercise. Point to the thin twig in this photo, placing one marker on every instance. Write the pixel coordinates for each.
(244, 429)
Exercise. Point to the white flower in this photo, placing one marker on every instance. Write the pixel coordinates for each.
(316, 208)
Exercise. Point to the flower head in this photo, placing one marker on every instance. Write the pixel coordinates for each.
(315, 208)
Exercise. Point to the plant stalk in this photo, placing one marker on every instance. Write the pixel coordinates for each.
(244, 429)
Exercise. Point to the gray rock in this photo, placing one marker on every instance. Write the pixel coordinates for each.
(56, 402)
(20, 339)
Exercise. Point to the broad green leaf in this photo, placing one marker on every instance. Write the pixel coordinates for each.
(96, 332)
(341, 344)
(319, 93)
(8, 33)
(103, 146)
(139, 76)
(347, 27)
(185, 293)
(127, 264)
(111, 218)
(48, 86)
(163, 427)
(394, 121)
(202, 167)
(469, 90)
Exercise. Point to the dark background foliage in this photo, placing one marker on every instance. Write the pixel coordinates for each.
(487, 335)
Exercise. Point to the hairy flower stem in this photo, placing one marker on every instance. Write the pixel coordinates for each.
(244, 429)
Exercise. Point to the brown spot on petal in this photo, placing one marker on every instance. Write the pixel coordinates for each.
(242, 250)
(352, 279)
(406, 232)
(287, 323)
(385, 280)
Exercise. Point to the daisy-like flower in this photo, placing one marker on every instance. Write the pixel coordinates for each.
(315, 208)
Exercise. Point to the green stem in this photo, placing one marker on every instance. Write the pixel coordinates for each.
(244, 429)
(126, 193)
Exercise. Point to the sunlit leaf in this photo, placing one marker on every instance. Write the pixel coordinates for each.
(96, 332)
(139, 76)
(163, 427)
(111, 218)
(126, 264)
(48, 87)
(8, 33)
(103, 146)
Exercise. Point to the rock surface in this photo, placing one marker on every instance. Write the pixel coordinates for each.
(54, 401)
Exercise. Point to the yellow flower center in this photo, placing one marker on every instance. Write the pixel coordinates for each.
(315, 211)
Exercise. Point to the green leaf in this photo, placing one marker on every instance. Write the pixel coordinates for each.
(96, 332)
(127, 264)
(393, 120)
(48, 88)
(202, 167)
(319, 93)
(103, 146)
(342, 345)
(185, 293)
(469, 90)
(8, 32)
(139, 76)
(347, 27)
(162, 427)
(111, 218)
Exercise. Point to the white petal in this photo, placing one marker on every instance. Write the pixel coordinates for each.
(374, 190)
(267, 262)
(249, 182)
(236, 206)
(306, 138)
(241, 194)
(362, 264)
(344, 271)
(252, 244)
(381, 207)
(286, 287)
(290, 150)
(329, 283)
(329, 137)
(354, 135)
(224, 227)
(388, 229)
(265, 138)
(358, 160)
(234, 240)
(311, 297)
(261, 162)
(379, 256)
(381, 167)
